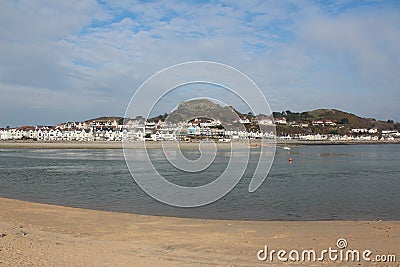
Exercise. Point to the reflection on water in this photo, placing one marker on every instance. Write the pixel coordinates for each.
(323, 182)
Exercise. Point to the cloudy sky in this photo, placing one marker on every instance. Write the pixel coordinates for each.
(78, 59)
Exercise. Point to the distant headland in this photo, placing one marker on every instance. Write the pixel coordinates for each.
(201, 119)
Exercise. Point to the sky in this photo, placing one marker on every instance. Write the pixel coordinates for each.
(80, 59)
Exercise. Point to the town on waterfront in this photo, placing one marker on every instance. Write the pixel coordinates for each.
(317, 125)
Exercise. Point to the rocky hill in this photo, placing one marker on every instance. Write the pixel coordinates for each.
(188, 110)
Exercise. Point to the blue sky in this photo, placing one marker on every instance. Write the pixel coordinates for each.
(74, 60)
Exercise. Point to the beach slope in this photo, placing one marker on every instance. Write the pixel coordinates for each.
(40, 234)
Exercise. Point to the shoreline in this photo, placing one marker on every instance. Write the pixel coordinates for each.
(43, 234)
(158, 145)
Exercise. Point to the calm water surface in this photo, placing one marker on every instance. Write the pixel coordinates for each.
(351, 182)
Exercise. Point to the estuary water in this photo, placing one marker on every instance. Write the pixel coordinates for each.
(333, 182)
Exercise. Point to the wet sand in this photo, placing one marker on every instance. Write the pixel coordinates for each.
(98, 145)
(157, 145)
(48, 235)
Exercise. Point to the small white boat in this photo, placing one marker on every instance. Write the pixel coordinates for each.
(286, 148)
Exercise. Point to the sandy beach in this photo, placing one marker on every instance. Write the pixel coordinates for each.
(38, 234)
(98, 145)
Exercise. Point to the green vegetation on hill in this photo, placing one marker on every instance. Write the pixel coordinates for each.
(339, 117)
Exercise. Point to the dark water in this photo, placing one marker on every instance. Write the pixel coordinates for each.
(353, 182)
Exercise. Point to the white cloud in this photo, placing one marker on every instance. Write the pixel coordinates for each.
(302, 56)
(367, 42)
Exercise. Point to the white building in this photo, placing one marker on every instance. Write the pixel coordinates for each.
(281, 121)
(359, 130)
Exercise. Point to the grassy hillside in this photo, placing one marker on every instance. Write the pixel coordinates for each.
(345, 119)
(342, 117)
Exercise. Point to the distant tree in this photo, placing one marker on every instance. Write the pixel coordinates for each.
(304, 116)
(344, 121)
(139, 118)
(161, 117)
(334, 131)
(7, 127)
(390, 121)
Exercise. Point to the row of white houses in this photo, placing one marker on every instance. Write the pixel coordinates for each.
(129, 134)
(139, 134)
(156, 132)
(69, 135)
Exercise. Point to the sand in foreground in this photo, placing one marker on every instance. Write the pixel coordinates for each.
(61, 236)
